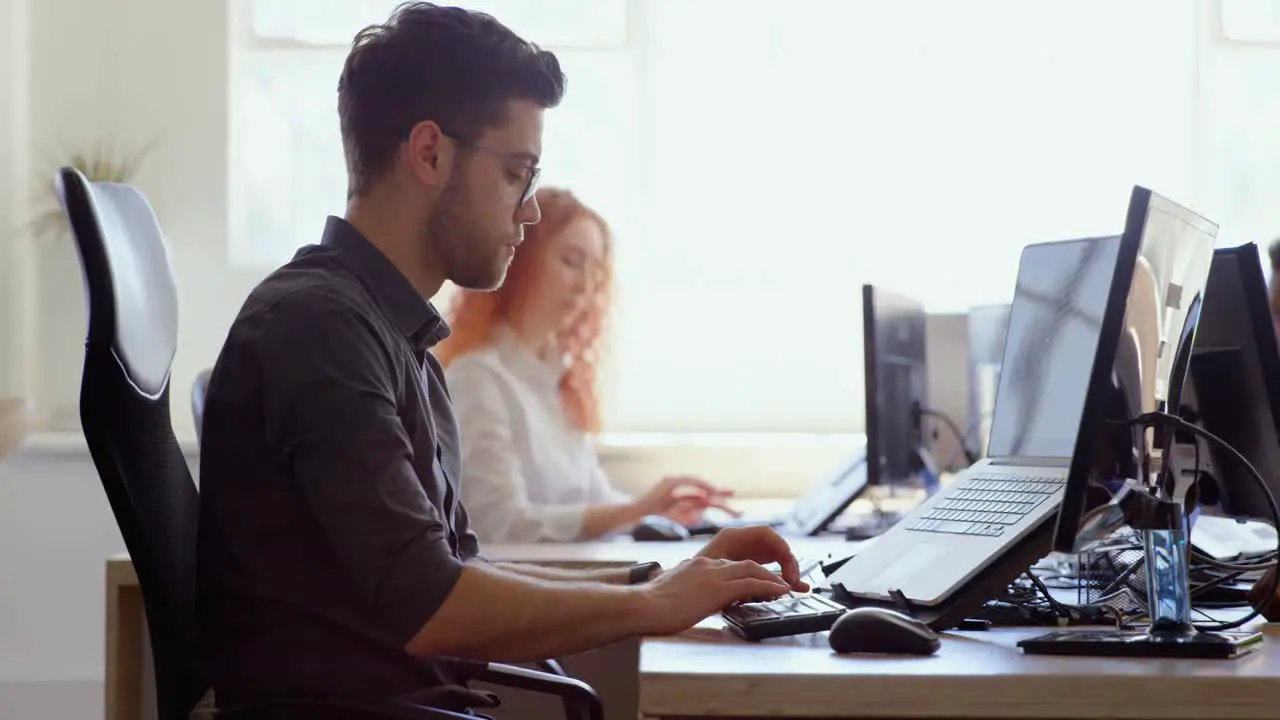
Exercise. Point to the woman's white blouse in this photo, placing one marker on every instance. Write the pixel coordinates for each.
(527, 475)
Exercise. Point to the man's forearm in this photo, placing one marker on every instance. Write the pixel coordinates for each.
(612, 576)
(503, 616)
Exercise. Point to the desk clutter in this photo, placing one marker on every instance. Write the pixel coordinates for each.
(1086, 487)
(1105, 586)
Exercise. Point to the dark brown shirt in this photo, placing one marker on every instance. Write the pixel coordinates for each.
(330, 527)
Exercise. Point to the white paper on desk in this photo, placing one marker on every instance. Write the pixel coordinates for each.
(1225, 538)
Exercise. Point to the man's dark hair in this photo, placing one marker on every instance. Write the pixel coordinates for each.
(1274, 252)
(456, 67)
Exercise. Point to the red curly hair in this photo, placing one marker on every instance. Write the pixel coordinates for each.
(473, 315)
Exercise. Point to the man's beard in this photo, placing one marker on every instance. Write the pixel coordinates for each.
(458, 244)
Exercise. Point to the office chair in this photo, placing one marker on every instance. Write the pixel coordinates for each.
(124, 412)
(198, 389)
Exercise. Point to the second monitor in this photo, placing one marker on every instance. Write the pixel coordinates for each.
(896, 374)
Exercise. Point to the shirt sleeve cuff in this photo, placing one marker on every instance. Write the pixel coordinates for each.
(416, 588)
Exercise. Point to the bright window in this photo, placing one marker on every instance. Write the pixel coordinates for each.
(760, 160)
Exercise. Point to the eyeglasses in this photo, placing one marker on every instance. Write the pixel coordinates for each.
(532, 171)
(530, 185)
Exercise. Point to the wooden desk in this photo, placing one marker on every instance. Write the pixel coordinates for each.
(126, 633)
(127, 677)
(708, 672)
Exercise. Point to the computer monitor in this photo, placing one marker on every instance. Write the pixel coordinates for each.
(988, 327)
(966, 543)
(1166, 251)
(893, 332)
(1233, 390)
(950, 441)
(1073, 299)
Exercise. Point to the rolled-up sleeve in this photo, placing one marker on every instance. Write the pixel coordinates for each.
(330, 412)
(493, 488)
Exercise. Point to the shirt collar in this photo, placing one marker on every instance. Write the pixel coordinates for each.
(416, 317)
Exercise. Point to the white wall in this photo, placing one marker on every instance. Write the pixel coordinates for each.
(72, 74)
(56, 531)
(134, 72)
(14, 144)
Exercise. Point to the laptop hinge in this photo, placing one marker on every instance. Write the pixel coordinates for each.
(1030, 462)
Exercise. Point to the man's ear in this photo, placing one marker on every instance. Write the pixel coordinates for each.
(429, 154)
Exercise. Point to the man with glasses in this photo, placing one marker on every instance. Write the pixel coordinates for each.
(335, 558)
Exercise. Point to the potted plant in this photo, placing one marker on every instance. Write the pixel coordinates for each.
(100, 164)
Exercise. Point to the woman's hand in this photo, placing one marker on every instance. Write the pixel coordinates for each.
(683, 498)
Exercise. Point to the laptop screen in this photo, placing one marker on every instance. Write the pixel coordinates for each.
(1055, 323)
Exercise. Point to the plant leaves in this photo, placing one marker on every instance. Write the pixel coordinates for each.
(99, 164)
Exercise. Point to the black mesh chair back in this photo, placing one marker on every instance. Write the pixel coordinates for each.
(124, 411)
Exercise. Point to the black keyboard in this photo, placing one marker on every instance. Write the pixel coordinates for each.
(795, 614)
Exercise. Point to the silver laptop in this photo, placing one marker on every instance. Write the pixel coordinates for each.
(815, 509)
(1055, 327)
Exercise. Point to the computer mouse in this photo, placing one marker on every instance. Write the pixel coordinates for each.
(657, 527)
(881, 630)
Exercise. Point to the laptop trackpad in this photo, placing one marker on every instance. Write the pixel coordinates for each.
(910, 568)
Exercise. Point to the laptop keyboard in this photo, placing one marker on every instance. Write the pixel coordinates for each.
(987, 504)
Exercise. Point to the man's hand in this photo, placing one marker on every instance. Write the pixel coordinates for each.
(758, 544)
(701, 586)
(683, 498)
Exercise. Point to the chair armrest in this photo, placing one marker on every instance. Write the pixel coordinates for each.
(580, 700)
(552, 666)
(350, 710)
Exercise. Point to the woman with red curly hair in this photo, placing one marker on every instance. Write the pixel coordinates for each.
(520, 364)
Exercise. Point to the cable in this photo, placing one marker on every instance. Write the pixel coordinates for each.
(1020, 604)
(1053, 603)
(1157, 418)
(955, 430)
(1260, 564)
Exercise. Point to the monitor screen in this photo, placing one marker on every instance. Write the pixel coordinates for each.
(1054, 325)
(893, 335)
(823, 501)
(987, 327)
(1234, 385)
(1168, 280)
(1161, 271)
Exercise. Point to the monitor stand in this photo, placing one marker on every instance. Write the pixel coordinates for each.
(1171, 633)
